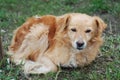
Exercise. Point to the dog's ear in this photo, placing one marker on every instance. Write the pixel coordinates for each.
(63, 23)
(100, 25)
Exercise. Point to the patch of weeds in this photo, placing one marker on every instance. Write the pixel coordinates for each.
(10, 71)
(111, 50)
(7, 70)
(99, 6)
(116, 8)
(70, 2)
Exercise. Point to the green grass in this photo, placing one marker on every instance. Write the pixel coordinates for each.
(106, 67)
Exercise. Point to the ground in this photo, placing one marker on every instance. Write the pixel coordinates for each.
(106, 67)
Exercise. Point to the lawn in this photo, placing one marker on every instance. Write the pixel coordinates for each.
(106, 67)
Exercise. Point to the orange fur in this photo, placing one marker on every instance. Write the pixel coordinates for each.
(43, 43)
(23, 30)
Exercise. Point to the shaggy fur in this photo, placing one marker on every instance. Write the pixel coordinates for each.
(43, 43)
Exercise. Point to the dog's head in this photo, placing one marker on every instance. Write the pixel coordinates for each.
(81, 28)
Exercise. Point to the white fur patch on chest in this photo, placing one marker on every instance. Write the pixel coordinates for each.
(72, 61)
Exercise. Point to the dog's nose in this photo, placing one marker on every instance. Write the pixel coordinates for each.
(80, 45)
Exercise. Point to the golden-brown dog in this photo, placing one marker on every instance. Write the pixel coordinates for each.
(43, 43)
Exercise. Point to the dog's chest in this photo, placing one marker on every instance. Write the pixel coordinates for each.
(71, 62)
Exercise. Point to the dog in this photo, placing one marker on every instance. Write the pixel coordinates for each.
(43, 43)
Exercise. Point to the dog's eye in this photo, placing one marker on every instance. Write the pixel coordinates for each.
(88, 31)
(73, 29)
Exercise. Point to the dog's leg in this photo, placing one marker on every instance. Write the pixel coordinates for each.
(44, 65)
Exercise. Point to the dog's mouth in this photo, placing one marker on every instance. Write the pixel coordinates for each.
(80, 48)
